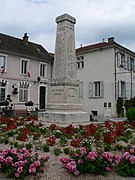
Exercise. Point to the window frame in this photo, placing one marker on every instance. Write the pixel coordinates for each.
(80, 62)
(23, 89)
(5, 59)
(91, 89)
(28, 64)
(45, 69)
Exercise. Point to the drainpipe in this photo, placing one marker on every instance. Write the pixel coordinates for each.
(115, 76)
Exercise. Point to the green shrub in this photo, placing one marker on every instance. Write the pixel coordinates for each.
(46, 148)
(57, 151)
(67, 150)
(130, 103)
(131, 114)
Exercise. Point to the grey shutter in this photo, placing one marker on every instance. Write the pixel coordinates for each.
(81, 89)
(101, 89)
(118, 59)
(90, 89)
(126, 62)
(119, 88)
(127, 90)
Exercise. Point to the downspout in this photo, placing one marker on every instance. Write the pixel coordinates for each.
(115, 76)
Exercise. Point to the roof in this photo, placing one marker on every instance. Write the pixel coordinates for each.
(94, 46)
(12, 45)
(102, 45)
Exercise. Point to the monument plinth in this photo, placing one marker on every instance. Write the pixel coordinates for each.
(63, 97)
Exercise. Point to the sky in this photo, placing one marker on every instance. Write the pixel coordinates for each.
(95, 20)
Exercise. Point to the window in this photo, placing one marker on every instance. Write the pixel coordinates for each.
(96, 89)
(131, 64)
(80, 62)
(24, 66)
(122, 61)
(2, 93)
(109, 104)
(121, 88)
(43, 69)
(105, 104)
(2, 63)
(23, 93)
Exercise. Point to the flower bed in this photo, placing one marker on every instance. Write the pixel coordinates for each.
(20, 162)
(88, 147)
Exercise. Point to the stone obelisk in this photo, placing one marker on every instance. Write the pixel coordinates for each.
(63, 97)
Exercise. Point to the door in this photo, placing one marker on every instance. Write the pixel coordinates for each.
(42, 97)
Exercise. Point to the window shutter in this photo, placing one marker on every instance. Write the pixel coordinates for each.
(101, 89)
(127, 90)
(81, 89)
(118, 59)
(119, 88)
(90, 89)
(126, 62)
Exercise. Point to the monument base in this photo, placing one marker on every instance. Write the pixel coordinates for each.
(64, 118)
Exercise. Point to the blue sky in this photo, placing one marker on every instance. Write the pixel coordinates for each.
(95, 20)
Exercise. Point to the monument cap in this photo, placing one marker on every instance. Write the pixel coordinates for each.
(65, 17)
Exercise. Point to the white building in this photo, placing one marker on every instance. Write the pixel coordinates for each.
(106, 72)
(24, 71)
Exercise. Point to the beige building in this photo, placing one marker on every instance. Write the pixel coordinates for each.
(24, 71)
(106, 72)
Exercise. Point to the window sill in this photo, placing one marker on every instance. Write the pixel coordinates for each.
(96, 97)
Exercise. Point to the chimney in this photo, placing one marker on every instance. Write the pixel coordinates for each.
(25, 38)
(111, 40)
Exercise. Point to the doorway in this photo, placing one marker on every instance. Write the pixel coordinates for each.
(42, 97)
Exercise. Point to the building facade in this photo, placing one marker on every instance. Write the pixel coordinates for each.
(106, 72)
(24, 71)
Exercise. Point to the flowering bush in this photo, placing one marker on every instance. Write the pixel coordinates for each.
(76, 143)
(90, 162)
(20, 163)
(126, 166)
(51, 141)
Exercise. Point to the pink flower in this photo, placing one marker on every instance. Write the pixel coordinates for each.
(32, 170)
(116, 159)
(132, 159)
(71, 166)
(132, 151)
(92, 155)
(80, 161)
(20, 169)
(8, 160)
(27, 153)
(126, 155)
(44, 158)
(108, 168)
(13, 151)
(76, 155)
(76, 173)
(37, 163)
(65, 159)
(108, 156)
(2, 159)
(17, 174)
(83, 150)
